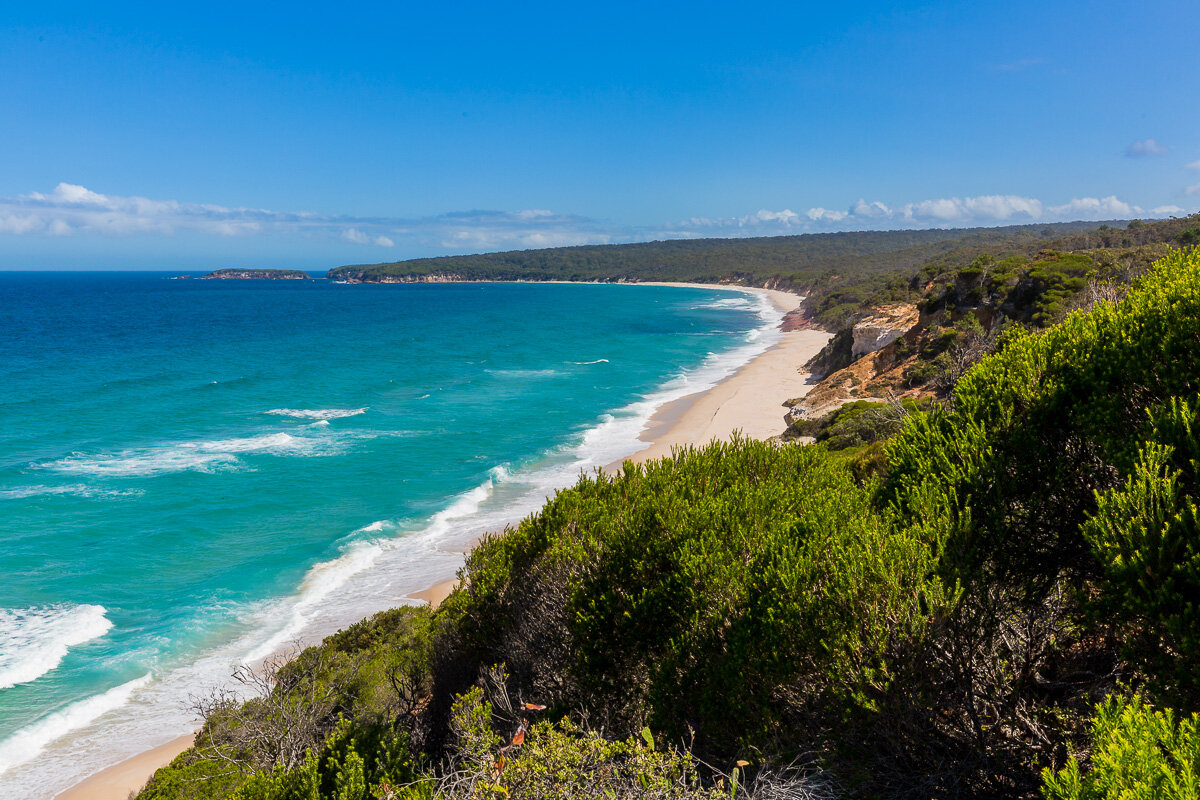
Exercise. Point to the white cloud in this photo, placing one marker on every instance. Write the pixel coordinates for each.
(72, 194)
(1146, 147)
(825, 215)
(355, 236)
(71, 208)
(872, 210)
(1094, 208)
(944, 212)
(75, 210)
(1195, 165)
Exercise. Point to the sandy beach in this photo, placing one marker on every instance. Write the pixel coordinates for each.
(116, 782)
(751, 401)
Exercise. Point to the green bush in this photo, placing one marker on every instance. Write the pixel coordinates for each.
(1037, 428)
(721, 590)
(1147, 538)
(1137, 754)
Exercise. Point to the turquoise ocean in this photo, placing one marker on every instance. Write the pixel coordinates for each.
(196, 474)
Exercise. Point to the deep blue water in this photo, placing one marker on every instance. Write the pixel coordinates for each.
(195, 473)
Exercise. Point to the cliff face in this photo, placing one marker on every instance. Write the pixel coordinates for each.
(867, 360)
(882, 328)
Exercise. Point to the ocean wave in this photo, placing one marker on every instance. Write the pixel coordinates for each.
(73, 489)
(327, 577)
(31, 740)
(205, 456)
(586, 363)
(318, 413)
(728, 303)
(35, 640)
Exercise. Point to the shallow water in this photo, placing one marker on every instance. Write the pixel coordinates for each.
(194, 474)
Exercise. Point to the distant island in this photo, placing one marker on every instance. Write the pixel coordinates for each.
(257, 274)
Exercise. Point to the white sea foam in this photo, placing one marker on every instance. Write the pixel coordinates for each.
(318, 413)
(727, 303)
(203, 456)
(586, 363)
(321, 580)
(615, 435)
(329, 577)
(31, 740)
(35, 640)
(73, 489)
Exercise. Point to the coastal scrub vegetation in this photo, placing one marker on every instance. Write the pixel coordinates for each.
(963, 305)
(1002, 605)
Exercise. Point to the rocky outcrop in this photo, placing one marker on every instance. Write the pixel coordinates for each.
(257, 275)
(834, 355)
(882, 328)
(865, 361)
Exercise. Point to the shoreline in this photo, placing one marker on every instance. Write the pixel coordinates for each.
(751, 400)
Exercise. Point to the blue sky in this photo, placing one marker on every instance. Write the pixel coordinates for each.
(311, 136)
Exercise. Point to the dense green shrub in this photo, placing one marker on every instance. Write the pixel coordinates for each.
(1036, 429)
(1147, 538)
(1137, 754)
(722, 590)
(1010, 471)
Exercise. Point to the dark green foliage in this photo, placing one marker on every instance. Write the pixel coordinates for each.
(836, 354)
(729, 590)
(1147, 538)
(1054, 279)
(1010, 471)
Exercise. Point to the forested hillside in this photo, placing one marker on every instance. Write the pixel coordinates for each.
(1002, 606)
(786, 261)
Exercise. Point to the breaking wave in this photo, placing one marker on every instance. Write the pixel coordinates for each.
(35, 640)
